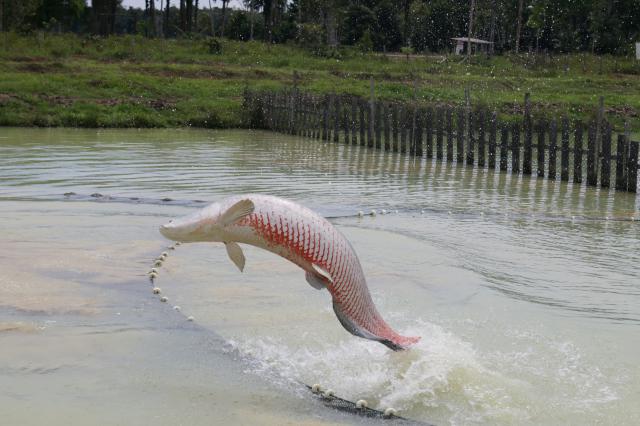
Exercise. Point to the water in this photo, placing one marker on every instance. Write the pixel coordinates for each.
(526, 296)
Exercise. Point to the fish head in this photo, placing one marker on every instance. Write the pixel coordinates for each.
(195, 227)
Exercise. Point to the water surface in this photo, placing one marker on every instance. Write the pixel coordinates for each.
(526, 292)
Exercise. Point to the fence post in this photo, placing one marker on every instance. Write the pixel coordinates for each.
(577, 154)
(403, 129)
(363, 123)
(504, 146)
(449, 134)
(553, 148)
(336, 119)
(492, 140)
(600, 118)
(528, 136)
(378, 125)
(396, 127)
(471, 123)
(622, 159)
(325, 118)
(387, 127)
(541, 148)
(429, 130)
(632, 180)
(372, 106)
(354, 121)
(515, 149)
(481, 138)
(460, 136)
(417, 135)
(592, 155)
(439, 132)
(605, 171)
(564, 159)
(468, 126)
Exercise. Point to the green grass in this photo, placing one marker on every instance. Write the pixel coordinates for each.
(66, 80)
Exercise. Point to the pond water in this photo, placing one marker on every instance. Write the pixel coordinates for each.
(526, 292)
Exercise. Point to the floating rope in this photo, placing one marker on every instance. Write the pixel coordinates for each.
(327, 397)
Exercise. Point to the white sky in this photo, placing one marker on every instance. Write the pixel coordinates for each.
(203, 3)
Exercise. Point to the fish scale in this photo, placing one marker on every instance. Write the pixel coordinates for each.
(305, 238)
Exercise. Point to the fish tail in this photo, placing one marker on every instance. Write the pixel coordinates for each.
(400, 343)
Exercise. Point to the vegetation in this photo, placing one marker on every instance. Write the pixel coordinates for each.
(132, 81)
(560, 26)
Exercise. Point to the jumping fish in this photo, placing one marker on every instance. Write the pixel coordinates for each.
(301, 236)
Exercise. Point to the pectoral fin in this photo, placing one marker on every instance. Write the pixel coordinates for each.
(316, 281)
(322, 272)
(235, 254)
(236, 212)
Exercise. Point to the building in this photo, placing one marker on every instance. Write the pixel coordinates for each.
(477, 45)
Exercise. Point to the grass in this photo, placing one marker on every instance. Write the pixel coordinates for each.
(127, 81)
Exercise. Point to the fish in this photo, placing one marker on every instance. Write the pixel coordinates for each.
(301, 236)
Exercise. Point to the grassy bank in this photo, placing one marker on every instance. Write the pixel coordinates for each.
(65, 80)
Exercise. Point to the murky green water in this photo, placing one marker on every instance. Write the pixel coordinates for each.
(527, 297)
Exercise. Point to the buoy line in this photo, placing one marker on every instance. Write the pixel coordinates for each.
(327, 397)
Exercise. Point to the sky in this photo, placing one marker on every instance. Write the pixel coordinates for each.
(203, 3)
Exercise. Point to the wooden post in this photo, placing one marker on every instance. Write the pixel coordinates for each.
(396, 127)
(460, 136)
(403, 129)
(564, 159)
(504, 147)
(439, 133)
(387, 127)
(378, 125)
(417, 136)
(429, 131)
(592, 159)
(468, 124)
(622, 158)
(632, 167)
(363, 123)
(599, 123)
(515, 149)
(492, 140)
(345, 121)
(577, 154)
(471, 137)
(325, 118)
(449, 135)
(481, 138)
(553, 148)
(411, 124)
(336, 119)
(541, 148)
(605, 171)
(528, 136)
(372, 106)
(354, 121)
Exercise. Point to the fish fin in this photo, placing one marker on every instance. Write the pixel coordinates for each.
(235, 254)
(322, 272)
(236, 212)
(350, 326)
(316, 281)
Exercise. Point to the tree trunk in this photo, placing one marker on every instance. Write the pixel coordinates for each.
(1, 15)
(266, 11)
(471, 9)
(183, 20)
(166, 18)
(492, 30)
(195, 16)
(330, 23)
(152, 18)
(519, 26)
(406, 7)
(213, 29)
(189, 15)
(251, 19)
(224, 17)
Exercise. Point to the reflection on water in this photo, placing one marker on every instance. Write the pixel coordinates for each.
(526, 291)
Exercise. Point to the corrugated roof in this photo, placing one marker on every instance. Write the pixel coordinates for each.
(473, 40)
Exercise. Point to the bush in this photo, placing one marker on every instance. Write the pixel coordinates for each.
(213, 45)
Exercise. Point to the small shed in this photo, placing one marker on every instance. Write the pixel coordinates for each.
(477, 45)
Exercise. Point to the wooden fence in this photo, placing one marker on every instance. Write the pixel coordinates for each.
(547, 147)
